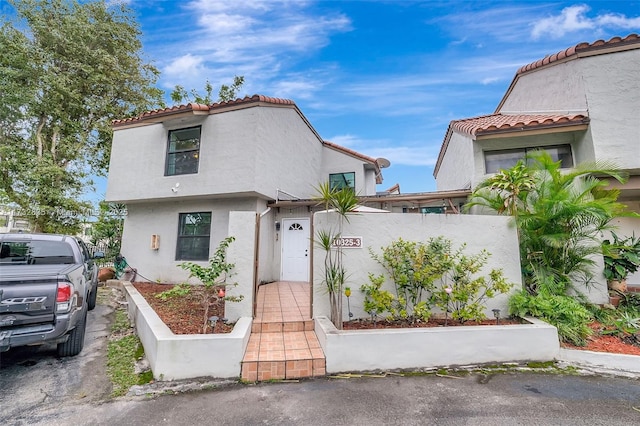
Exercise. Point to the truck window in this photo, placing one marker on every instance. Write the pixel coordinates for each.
(35, 253)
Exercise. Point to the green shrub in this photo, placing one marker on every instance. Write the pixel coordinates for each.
(463, 292)
(570, 317)
(414, 269)
(376, 301)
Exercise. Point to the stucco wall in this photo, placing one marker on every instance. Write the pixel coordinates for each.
(554, 88)
(241, 151)
(613, 96)
(492, 233)
(255, 150)
(607, 86)
(143, 220)
(336, 162)
(457, 167)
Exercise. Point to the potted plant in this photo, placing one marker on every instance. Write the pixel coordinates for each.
(621, 258)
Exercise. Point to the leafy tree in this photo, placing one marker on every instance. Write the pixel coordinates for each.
(560, 215)
(108, 229)
(68, 68)
(226, 93)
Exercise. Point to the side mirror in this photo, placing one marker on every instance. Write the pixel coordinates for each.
(98, 255)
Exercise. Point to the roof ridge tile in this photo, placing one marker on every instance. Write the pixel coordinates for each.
(580, 47)
(193, 106)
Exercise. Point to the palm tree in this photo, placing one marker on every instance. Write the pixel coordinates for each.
(560, 215)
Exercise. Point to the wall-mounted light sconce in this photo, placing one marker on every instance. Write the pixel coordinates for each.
(155, 242)
(277, 226)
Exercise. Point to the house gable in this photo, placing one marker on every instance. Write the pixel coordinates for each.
(250, 147)
(586, 97)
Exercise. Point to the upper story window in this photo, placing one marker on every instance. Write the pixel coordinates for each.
(507, 158)
(337, 181)
(183, 151)
(194, 232)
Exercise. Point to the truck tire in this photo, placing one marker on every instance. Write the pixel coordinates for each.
(93, 296)
(75, 343)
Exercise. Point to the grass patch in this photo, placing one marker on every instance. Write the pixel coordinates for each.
(123, 350)
(121, 322)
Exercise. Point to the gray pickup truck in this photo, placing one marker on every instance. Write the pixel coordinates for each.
(47, 285)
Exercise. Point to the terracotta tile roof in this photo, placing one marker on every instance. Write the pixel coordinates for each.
(582, 48)
(505, 123)
(193, 107)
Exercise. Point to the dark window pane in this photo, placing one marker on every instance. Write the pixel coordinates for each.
(193, 236)
(193, 248)
(497, 160)
(505, 159)
(183, 151)
(182, 163)
(338, 181)
(561, 153)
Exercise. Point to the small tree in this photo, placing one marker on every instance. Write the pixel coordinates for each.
(213, 279)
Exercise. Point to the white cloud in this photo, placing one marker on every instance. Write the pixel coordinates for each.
(574, 18)
(184, 64)
(396, 152)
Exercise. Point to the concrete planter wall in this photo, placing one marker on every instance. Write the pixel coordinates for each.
(175, 356)
(386, 349)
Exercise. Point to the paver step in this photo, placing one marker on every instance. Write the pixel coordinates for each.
(283, 355)
(280, 326)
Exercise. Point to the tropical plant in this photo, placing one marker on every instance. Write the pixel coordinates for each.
(213, 278)
(621, 257)
(341, 202)
(559, 214)
(569, 316)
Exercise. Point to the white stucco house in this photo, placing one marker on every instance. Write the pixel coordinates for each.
(581, 104)
(182, 170)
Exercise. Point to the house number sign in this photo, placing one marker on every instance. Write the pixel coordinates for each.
(348, 242)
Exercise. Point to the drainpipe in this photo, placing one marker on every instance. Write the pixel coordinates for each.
(256, 254)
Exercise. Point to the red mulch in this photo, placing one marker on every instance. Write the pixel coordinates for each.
(183, 315)
(367, 324)
(608, 343)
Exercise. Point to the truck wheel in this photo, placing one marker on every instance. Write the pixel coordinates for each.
(75, 343)
(93, 296)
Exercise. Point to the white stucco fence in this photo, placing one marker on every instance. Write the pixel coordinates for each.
(493, 233)
(385, 349)
(175, 356)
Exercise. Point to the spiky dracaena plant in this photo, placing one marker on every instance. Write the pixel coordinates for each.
(559, 214)
(342, 202)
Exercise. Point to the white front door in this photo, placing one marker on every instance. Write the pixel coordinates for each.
(295, 249)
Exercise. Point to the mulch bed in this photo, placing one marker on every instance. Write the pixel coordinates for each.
(629, 345)
(184, 314)
(368, 324)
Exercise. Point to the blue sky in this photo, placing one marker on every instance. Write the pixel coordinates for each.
(382, 77)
